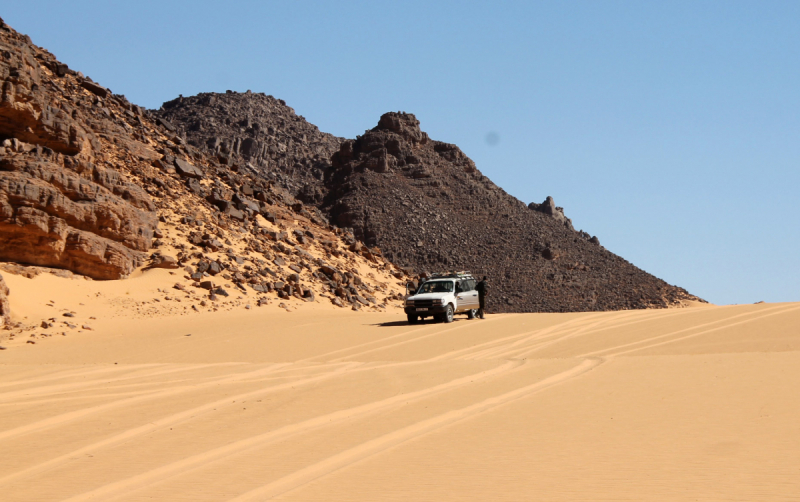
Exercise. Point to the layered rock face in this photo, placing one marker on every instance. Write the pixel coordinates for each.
(426, 206)
(256, 133)
(62, 202)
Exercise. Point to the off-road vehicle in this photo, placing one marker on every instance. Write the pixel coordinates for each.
(442, 296)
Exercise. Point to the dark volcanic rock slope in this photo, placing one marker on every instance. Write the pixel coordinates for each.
(257, 133)
(423, 203)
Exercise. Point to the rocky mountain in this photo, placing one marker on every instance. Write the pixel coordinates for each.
(256, 132)
(425, 204)
(93, 184)
(215, 185)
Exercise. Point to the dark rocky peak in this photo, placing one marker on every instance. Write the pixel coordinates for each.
(403, 124)
(257, 133)
(398, 145)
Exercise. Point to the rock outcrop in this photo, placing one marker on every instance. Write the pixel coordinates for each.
(5, 307)
(256, 133)
(61, 203)
(549, 208)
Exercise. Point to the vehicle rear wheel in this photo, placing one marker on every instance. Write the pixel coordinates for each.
(472, 314)
(412, 319)
(448, 314)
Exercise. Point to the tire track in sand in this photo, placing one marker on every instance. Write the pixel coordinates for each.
(511, 349)
(186, 465)
(365, 344)
(477, 351)
(60, 388)
(170, 420)
(75, 373)
(404, 342)
(618, 321)
(751, 317)
(74, 415)
(378, 445)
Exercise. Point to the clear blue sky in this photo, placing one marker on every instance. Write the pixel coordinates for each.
(671, 130)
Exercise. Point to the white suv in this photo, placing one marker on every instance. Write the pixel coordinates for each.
(442, 296)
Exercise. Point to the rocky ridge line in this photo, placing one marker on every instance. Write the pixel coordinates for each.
(257, 133)
(428, 207)
(96, 185)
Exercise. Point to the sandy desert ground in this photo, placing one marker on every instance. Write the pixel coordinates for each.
(320, 404)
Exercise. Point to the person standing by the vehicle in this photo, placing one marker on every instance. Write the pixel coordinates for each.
(482, 289)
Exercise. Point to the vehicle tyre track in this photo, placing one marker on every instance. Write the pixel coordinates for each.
(365, 450)
(200, 460)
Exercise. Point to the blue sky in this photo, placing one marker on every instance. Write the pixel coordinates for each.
(671, 130)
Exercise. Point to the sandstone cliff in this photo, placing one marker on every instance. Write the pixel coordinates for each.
(62, 204)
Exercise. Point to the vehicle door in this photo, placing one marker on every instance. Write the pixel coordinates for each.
(472, 295)
(462, 296)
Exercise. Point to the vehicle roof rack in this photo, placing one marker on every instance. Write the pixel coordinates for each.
(464, 274)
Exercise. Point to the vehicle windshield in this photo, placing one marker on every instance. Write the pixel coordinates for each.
(436, 287)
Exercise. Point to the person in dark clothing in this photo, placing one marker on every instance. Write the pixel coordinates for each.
(482, 289)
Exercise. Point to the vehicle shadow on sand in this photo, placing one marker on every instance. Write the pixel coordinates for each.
(418, 323)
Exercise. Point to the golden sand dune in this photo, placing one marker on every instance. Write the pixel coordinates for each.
(321, 404)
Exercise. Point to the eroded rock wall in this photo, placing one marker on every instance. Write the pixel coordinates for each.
(62, 202)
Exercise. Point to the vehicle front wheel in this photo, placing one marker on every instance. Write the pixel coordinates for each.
(412, 319)
(472, 314)
(448, 314)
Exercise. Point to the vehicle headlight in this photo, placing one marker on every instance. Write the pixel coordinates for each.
(438, 301)
(409, 303)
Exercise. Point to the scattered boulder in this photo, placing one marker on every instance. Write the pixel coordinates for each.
(94, 88)
(187, 170)
(163, 261)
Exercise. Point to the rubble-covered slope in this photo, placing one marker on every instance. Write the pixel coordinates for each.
(95, 185)
(426, 205)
